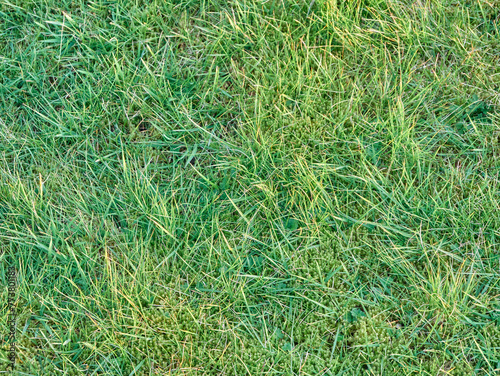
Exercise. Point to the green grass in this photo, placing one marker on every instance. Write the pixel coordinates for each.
(249, 187)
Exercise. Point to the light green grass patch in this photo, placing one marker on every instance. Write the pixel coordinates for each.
(206, 187)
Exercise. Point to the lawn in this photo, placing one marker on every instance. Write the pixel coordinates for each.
(250, 187)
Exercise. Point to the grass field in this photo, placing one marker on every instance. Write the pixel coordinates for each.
(250, 187)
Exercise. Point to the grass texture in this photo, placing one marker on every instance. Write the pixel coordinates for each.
(250, 187)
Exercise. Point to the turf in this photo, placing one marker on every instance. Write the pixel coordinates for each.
(245, 187)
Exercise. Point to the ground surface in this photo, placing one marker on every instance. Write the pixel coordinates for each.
(244, 187)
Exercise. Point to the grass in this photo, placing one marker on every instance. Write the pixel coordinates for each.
(249, 187)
